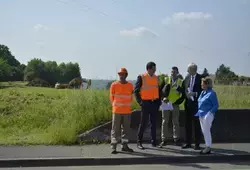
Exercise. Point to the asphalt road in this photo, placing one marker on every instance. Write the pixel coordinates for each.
(227, 166)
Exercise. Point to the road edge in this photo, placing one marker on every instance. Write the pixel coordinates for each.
(79, 161)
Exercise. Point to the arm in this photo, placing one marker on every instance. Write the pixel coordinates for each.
(137, 90)
(182, 91)
(165, 91)
(112, 92)
(199, 90)
(215, 102)
(158, 101)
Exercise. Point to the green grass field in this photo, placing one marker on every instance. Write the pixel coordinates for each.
(33, 115)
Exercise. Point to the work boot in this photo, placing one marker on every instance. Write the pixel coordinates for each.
(163, 143)
(114, 151)
(127, 149)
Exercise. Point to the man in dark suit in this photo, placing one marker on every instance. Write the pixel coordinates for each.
(148, 96)
(192, 89)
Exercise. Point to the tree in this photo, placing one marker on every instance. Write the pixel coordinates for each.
(50, 71)
(15, 71)
(35, 69)
(205, 73)
(225, 75)
(5, 69)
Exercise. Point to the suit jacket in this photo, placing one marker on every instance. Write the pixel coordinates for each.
(197, 87)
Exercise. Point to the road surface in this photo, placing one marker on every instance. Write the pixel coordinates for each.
(227, 166)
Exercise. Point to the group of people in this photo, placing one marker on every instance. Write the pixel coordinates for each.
(200, 103)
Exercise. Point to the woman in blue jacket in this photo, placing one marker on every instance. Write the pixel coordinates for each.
(207, 106)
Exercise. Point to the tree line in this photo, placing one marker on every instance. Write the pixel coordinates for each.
(48, 72)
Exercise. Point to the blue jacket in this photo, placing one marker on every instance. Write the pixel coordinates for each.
(207, 102)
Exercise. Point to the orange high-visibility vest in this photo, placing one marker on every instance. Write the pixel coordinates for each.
(150, 88)
(121, 97)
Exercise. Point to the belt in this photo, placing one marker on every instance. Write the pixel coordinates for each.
(153, 100)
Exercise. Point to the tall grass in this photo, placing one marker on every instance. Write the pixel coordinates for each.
(30, 115)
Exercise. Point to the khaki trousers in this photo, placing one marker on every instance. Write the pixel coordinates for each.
(175, 121)
(120, 129)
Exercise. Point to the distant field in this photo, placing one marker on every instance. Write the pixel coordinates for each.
(33, 115)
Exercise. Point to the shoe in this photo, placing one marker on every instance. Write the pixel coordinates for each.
(186, 146)
(197, 147)
(139, 146)
(114, 151)
(207, 150)
(177, 142)
(127, 149)
(163, 143)
(154, 144)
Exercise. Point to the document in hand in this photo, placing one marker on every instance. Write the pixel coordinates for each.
(167, 106)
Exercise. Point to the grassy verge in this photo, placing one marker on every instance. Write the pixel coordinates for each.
(32, 115)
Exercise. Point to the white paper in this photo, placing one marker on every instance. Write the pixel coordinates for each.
(191, 97)
(167, 106)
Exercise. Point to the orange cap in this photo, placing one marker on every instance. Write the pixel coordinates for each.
(123, 70)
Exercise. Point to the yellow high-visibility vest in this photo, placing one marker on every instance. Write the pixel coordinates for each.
(174, 95)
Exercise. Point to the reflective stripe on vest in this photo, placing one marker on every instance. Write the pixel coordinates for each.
(121, 104)
(149, 92)
(122, 96)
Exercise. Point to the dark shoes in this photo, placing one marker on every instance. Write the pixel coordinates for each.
(163, 143)
(114, 151)
(197, 147)
(139, 146)
(127, 149)
(186, 146)
(207, 150)
(154, 144)
(177, 142)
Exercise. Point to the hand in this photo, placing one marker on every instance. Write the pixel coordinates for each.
(191, 94)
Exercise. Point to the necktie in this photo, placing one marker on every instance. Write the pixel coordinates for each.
(192, 82)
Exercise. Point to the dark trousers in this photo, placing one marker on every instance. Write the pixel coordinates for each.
(191, 109)
(149, 109)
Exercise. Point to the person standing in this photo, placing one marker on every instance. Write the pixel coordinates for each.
(121, 96)
(207, 106)
(172, 97)
(192, 90)
(147, 94)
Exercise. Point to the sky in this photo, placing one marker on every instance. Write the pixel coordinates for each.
(105, 35)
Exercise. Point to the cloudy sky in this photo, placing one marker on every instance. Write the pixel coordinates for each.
(104, 35)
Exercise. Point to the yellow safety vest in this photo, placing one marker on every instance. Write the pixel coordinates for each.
(174, 95)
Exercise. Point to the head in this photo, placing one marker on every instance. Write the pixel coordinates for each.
(151, 68)
(174, 71)
(206, 83)
(123, 73)
(192, 69)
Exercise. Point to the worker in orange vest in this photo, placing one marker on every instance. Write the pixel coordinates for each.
(121, 98)
(147, 94)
